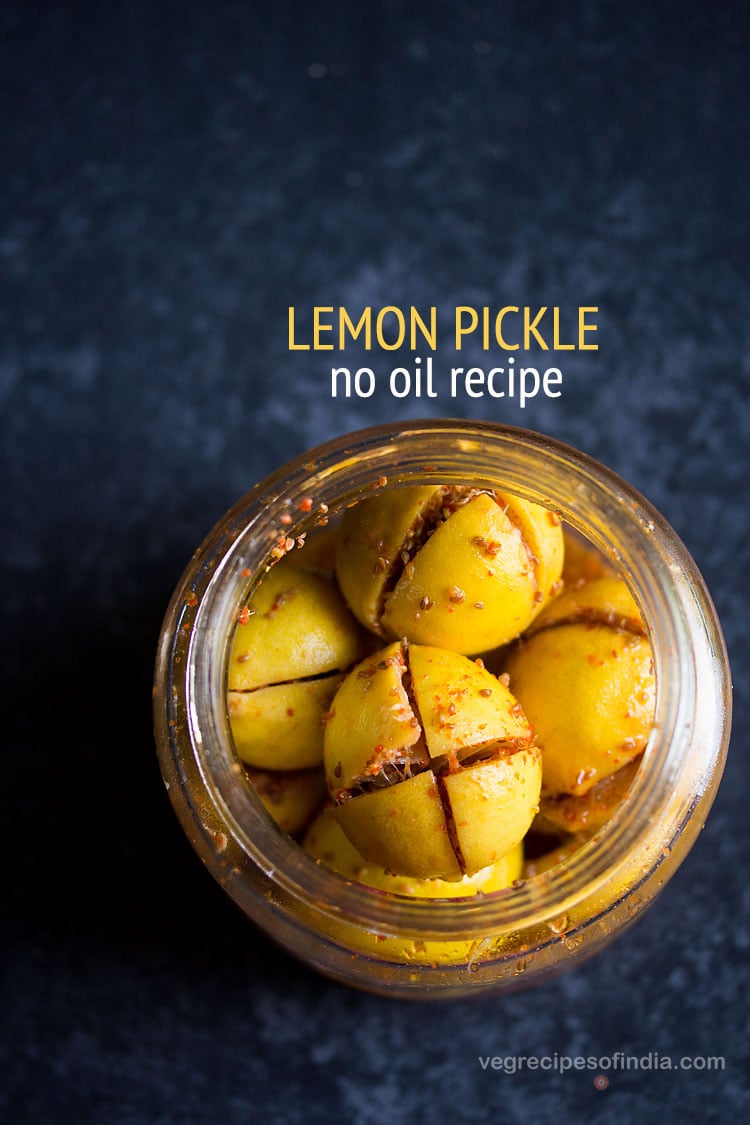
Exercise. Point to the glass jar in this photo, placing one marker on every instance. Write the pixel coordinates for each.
(445, 947)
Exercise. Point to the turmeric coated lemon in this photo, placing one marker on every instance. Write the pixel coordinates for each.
(431, 762)
(291, 644)
(584, 675)
(456, 568)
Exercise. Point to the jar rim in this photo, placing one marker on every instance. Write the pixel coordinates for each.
(689, 738)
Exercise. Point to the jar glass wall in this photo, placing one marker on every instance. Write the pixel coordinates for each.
(448, 947)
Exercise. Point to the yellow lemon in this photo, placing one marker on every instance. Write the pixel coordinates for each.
(454, 568)
(292, 641)
(584, 676)
(430, 760)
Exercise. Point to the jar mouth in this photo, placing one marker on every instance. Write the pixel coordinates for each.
(692, 687)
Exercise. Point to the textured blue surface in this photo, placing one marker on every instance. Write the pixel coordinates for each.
(176, 175)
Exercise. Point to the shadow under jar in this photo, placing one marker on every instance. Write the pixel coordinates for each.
(539, 926)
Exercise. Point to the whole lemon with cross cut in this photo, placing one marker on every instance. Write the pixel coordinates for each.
(452, 567)
(431, 762)
(291, 646)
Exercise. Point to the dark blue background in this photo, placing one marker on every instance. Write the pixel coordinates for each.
(174, 175)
